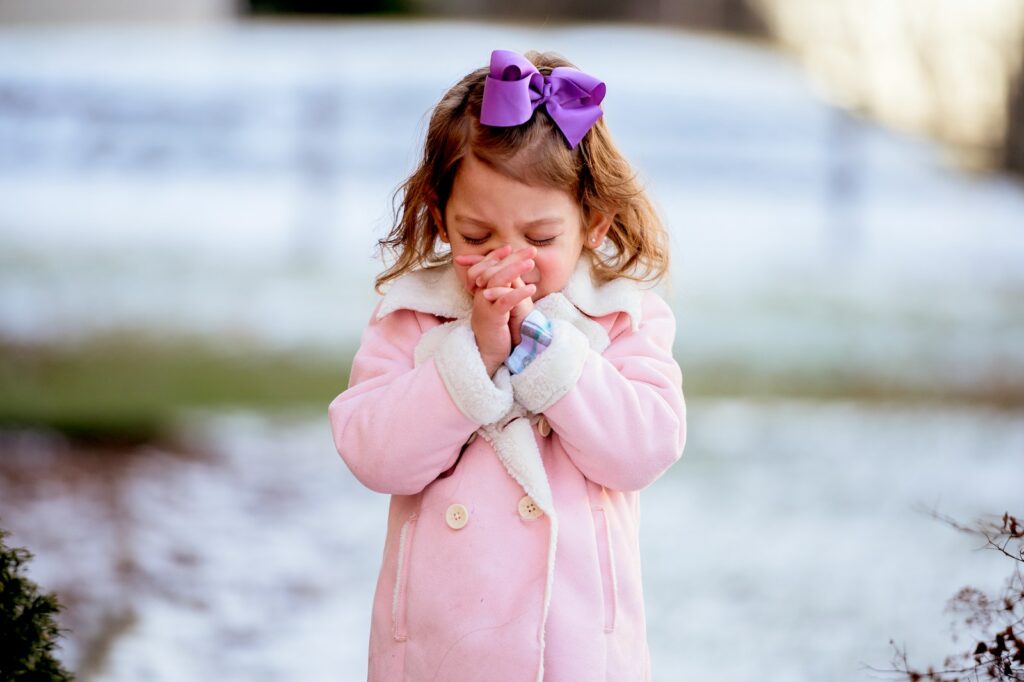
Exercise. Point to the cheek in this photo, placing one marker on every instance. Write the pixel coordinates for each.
(550, 263)
(545, 261)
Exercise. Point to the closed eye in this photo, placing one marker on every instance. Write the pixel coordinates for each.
(538, 242)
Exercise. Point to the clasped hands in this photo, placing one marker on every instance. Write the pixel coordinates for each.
(501, 301)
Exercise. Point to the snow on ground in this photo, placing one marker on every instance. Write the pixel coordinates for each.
(772, 550)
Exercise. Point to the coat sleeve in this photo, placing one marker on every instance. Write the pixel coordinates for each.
(398, 425)
(619, 414)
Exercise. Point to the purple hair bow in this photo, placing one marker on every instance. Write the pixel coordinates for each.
(515, 88)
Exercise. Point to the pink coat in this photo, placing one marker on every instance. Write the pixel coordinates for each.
(514, 555)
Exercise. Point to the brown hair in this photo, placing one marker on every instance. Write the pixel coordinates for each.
(534, 153)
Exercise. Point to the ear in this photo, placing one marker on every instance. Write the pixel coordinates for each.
(600, 223)
(439, 224)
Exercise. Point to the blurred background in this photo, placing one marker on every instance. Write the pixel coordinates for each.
(190, 198)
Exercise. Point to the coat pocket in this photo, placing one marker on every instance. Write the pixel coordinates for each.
(448, 472)
(606, 560)
(398, 599)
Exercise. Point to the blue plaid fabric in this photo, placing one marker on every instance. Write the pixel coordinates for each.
(536, 332)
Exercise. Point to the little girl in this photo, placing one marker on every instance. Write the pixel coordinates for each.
(515, 391)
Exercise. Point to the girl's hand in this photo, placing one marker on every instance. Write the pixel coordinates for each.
(492, 274)
(518, 312)
(497, 268)
(490, 323)
(492, 306)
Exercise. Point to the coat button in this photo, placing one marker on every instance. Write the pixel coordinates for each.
(543, 426)
(457, 516)
(471, 438)
(528, 509)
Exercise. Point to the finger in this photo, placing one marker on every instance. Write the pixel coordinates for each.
(500, 275)
(476, 257)
(508, 256)
(499, 256)
(506, 302)
(492, 293)
(490, 259)
(469, 259)
(474, 273)
(490, 272)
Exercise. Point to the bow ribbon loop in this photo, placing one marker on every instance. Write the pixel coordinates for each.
(514, 88)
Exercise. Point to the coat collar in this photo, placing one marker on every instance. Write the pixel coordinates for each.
(439, 291)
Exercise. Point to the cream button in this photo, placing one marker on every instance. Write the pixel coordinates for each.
(528, 509)
(543, 426)
(471, 438)
(457, 516)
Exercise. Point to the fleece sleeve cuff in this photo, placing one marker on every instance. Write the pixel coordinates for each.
(555, 371)
(462, 369)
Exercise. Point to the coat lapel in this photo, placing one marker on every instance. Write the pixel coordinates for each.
(437, 291)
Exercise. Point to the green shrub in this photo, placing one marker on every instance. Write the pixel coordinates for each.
(28, 632)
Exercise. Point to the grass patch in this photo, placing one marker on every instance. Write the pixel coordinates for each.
(128, 388)
(722, 379)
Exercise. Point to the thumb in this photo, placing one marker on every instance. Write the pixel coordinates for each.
(517, 314)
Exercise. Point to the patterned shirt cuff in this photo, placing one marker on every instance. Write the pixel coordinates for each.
(536, 332)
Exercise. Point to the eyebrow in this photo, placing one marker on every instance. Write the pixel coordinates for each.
(481, 223)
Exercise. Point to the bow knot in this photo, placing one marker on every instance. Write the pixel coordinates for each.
(548, 87)
(514, 88)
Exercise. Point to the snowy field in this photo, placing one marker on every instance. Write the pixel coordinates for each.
(231, 182)
(772, 551)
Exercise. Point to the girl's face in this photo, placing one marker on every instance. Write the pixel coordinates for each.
(487, 210)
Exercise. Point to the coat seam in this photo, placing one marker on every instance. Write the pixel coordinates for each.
(610, 604)
(615, 579)
(399, 600)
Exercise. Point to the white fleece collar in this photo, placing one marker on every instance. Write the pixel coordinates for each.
(439, 291)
